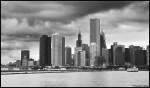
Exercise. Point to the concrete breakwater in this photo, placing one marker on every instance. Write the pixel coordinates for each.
(30, 72)
(43, 71)
(36, 72)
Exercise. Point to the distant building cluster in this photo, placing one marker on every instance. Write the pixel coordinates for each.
(52, 52)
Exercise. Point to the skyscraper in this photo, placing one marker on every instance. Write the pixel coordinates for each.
(79, 41)
(77, 58)
(132, 50)
(25, 55)
(103, 50)
(63, 51)
(45, 50)
(118, 54)
(68, 58)
(147, 60)
(92, 53)
(95, 34)
(58, 49)
(127, 55)
(140, 57)
(83, 58)
(102, 42)
(110, 56)
(85, 47)
(105, 54)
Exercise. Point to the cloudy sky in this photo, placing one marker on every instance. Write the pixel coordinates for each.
(22, 23)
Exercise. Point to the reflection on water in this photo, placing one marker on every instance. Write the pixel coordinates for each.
(79, 79)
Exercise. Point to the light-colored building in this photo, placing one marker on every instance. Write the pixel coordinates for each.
(105, 54)
(92, 53)
(58, 49)
(95, 33)
(83, 58)
(77, 57)
(31, 63)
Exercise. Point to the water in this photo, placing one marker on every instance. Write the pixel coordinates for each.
(77, 79)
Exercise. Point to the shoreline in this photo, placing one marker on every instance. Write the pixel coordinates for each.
(39, 72)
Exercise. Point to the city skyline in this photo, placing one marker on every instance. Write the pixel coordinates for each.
(24, 31)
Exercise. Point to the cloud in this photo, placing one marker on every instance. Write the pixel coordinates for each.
(57, 11)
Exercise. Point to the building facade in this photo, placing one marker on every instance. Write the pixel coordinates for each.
(79, 41)
(105, 54)
(147, 60)
(83, 58)
(92, 53)
(132, 50)
(45, 50)
(77, 59)
(58, 50)
(25, 55)
(118, 55)
(140, 57)
(86, 48)
(95, 34)
(68, 57)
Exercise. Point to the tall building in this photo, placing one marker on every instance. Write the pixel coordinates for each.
(147, 60)
(25, 55)
(140, 57)
(77, 59)
(105, 54)
(83, 58)
(85, 48)
(110, 56)
(79, 41)
(45, 50)
(102, 42)
(118, 54)
(95, 34)
(58, 50)
(127, 56)
(92, 53)
(132, 50)
(103, 50)
(63, 51)
(68, 57)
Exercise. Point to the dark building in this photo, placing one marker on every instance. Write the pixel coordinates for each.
(118, 54)
(147, 56)
(140, 57)
(79, 41)
(68, 57)
(25, 55)
(86, 48)
(63, 51)
(78, 58)
(132, 50)
(45, 50)
(127, 55)
(102, 42)
(110, 57)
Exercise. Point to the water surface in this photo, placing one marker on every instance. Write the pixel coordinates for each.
(77, 79)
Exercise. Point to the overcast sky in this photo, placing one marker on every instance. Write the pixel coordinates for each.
(22, 23)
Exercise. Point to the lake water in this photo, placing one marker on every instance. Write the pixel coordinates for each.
(77, 79)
